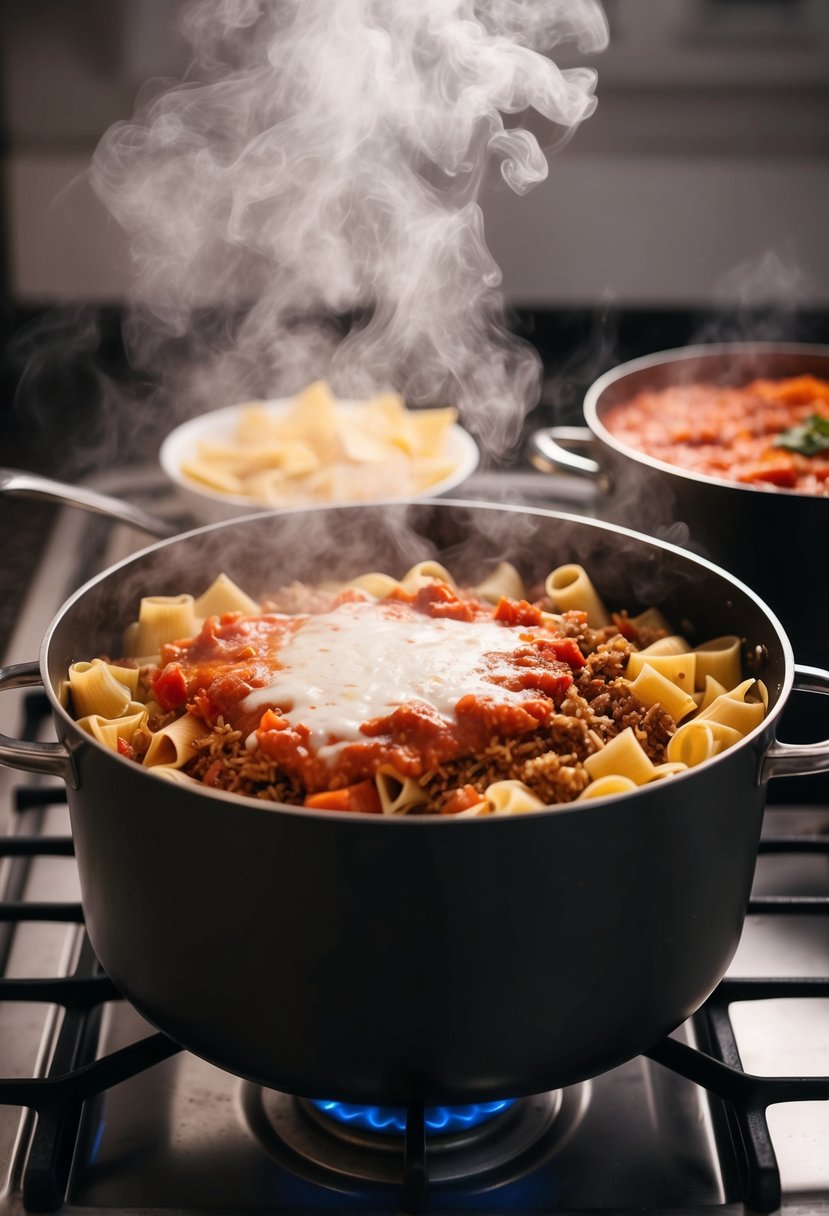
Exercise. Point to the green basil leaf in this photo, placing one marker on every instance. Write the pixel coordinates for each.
(808, 438)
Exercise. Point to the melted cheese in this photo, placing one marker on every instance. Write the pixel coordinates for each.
(362, 660)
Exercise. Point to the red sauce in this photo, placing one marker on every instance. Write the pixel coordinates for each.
(729, 432)
(214, 672)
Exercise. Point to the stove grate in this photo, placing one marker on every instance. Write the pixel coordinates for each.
(74, 1074)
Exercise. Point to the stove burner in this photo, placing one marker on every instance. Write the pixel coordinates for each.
(303, 1137)
(391, 1120)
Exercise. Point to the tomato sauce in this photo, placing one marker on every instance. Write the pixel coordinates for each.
(733, 433)
(413, 681)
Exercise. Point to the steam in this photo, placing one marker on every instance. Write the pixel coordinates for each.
(318, 172)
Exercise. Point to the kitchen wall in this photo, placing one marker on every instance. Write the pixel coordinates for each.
(702, 178)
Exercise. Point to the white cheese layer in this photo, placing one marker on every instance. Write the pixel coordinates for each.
(362, 660)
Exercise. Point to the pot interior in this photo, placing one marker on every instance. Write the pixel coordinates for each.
(265, 552)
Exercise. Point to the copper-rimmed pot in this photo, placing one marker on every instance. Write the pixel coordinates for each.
(385, 958)
(774, 540)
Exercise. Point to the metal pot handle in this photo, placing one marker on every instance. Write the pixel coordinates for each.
(31, 485)
(52, 758)
(799, 759)
(550, 454)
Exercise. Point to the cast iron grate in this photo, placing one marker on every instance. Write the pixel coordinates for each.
(75, 1075)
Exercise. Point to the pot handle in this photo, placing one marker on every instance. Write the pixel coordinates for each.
(52, 758)
(31, 485)
(550, 453)
(799, 759)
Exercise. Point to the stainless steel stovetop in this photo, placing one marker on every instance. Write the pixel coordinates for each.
(185, 1137)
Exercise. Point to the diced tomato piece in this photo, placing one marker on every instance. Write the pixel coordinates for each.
(461, 800)
(439, 600)
(360, 797)
(783, 475)
(401, 595)
(566, 650)
(125, 748)
(625, 626)
(170, 687)
(797, 390)
(272, 721)
(516, 612)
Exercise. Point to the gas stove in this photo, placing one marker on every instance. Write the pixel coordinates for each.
(101, 1112)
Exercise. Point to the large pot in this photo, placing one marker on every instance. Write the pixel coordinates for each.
(774, 540)
(372, 958)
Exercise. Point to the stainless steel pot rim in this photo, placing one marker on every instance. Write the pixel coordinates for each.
(265, 806)
(681, 355)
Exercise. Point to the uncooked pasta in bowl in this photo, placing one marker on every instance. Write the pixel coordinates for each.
(314, 448)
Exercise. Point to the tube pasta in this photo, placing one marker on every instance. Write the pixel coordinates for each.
(700, 740)
(503, 580)
(733, 709)
(109, 730)
(398, 794)
(171, 746)
(621, 756)
(673, 644)
(712, 690)
(651, 687)
(164, 618)
(425, 572)
(375, 583)
(719, 658)
(607, 786)
(680, 669)
(96, 689)
(222, 596)
(129, 640)
(669, 769)
(511, 798)
(651, 620)
(570, 587)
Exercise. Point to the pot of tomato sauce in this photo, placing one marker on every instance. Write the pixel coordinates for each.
(731, 441)
(376, 957)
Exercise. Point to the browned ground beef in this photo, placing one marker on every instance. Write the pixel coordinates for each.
(598, 706)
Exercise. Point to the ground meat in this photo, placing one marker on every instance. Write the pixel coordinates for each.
(223, 762)
(613, 707)
(548, 759)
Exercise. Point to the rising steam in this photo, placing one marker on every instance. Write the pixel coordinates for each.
(325, 159)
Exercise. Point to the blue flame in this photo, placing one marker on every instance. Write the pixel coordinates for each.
(391, 1120)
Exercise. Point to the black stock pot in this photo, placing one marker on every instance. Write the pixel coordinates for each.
(375, 958)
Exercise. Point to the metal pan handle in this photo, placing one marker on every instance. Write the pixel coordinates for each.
(31, 485)
(550, 452)
(51, 758)
(799, 759)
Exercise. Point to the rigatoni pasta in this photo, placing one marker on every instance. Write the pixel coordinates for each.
(414, 695)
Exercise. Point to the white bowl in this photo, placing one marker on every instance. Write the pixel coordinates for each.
(209, 505)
